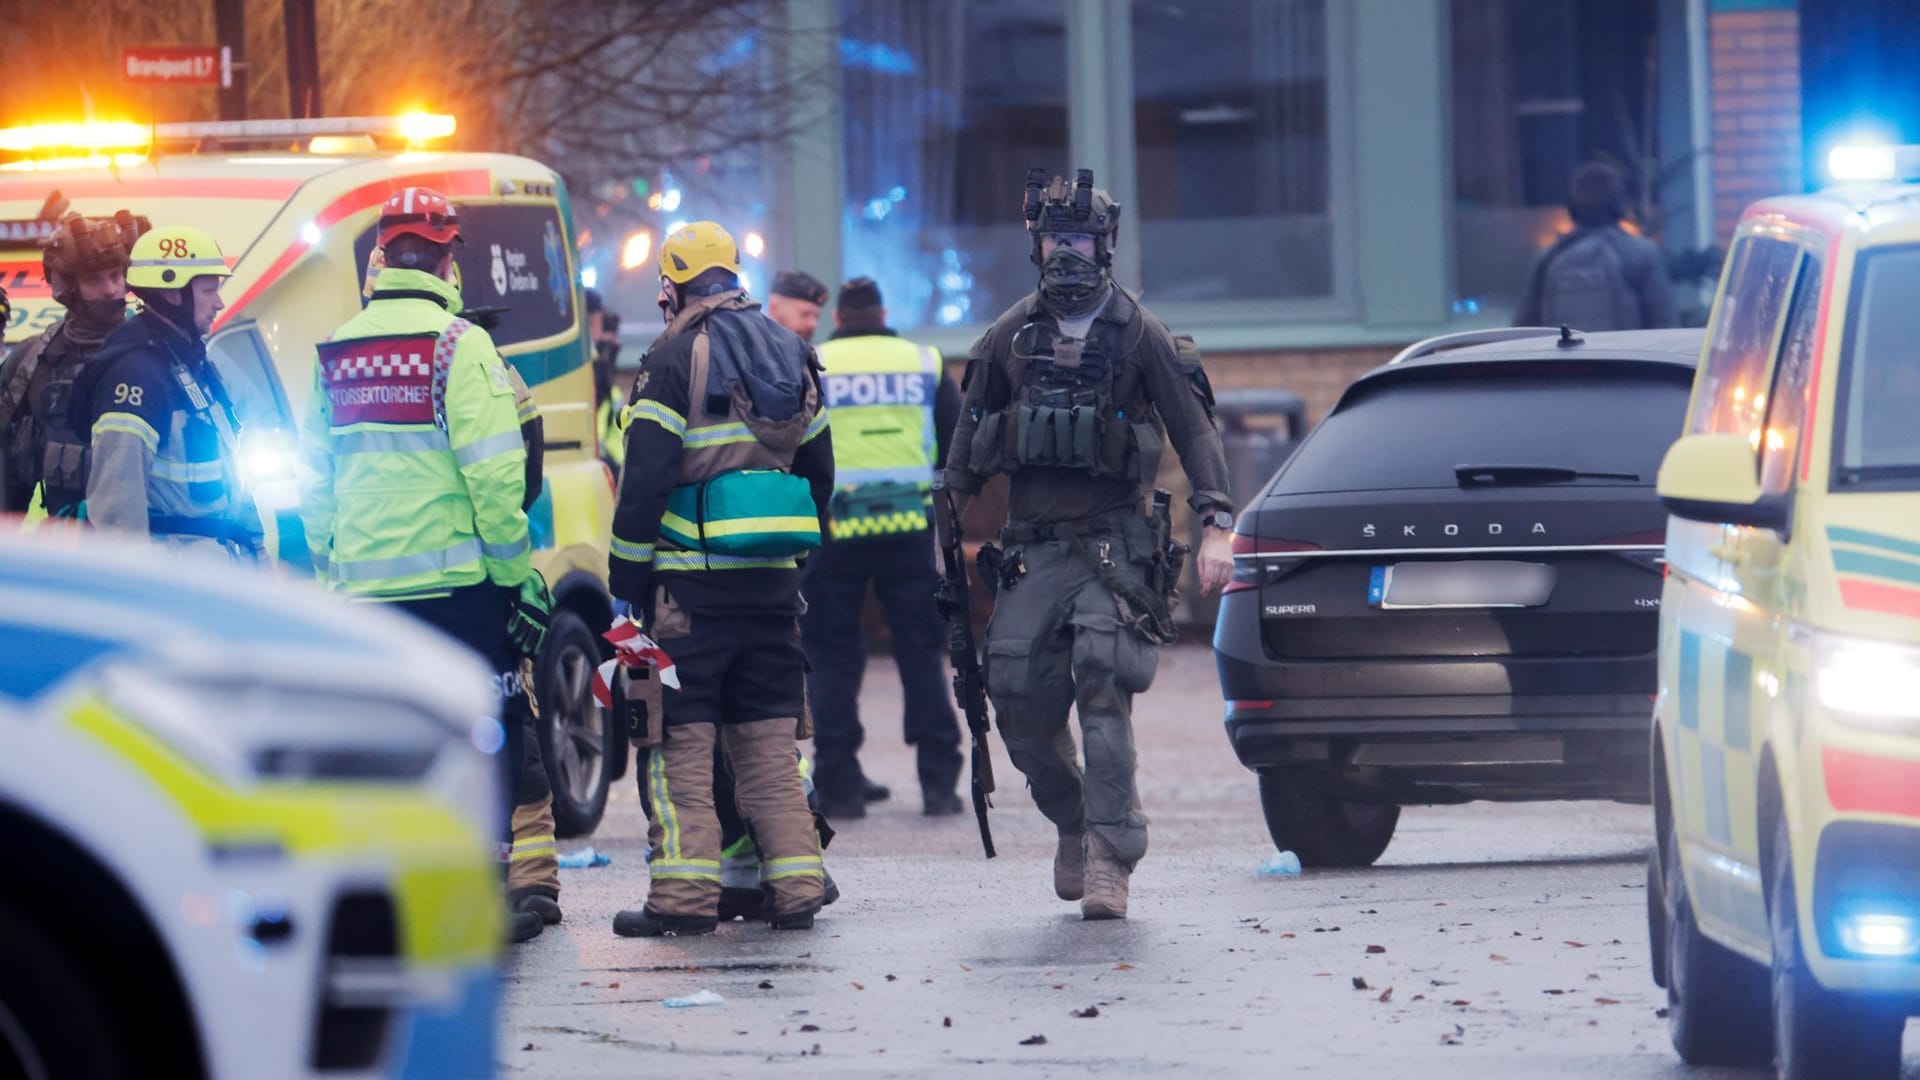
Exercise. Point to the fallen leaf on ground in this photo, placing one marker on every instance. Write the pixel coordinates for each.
(946, 1021)
(1386, 995)
(1577, 944)
(893, 978)
(809, 1027)
(1419, 997)
(964, 967)
(1087, 1013)
(613, 986)
(766, 984)
(1289, 934)
(1375, 949)
(1360, 983)
(1034, 1040)
(1606, 1001)
(1123, 967)
(529, 1046)
(1497, 958)
(1463, 1002)
(857, 986)
(1661, 1012)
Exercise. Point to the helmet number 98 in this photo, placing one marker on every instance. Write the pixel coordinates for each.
(174, 247)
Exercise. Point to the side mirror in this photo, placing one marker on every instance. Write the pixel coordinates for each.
(1716, 479)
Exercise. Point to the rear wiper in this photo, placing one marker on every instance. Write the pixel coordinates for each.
(1490, 475)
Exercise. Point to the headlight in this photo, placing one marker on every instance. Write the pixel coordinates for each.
(1867, 683)
(248, 730)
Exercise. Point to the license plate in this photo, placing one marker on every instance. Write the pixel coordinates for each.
(1477, 584)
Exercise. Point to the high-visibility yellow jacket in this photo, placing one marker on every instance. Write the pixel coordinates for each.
(881, 391)
(414, 440)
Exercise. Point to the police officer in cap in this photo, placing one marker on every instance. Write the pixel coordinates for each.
(1073, 392)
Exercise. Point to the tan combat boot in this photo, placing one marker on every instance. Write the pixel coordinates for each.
(1106, 892)
(1070, 866)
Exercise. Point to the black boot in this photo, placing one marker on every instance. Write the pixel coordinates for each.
(646, 923)
(842, 805)
(873, 792)
(539, 902)
(941, 803)
(745, 904)
(523, 926)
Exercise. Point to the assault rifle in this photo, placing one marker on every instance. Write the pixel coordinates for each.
(955, 601)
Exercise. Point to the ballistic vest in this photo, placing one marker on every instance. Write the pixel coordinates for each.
(880, 390)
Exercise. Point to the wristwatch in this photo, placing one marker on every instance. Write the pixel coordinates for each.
(1218, 519)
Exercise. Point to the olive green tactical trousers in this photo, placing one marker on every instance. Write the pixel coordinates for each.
(1056, 643)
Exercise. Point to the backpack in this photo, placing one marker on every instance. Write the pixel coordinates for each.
(1584, 284)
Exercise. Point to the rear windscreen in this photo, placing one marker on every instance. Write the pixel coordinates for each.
(514, 259)
(1412, 434)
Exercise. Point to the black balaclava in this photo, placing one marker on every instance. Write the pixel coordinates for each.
(1071, 284)
(176, 312)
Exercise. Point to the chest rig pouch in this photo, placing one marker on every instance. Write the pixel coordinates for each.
(1074, 404)
(37, 416)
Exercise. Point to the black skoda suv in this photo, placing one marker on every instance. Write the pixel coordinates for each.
(1451, 591)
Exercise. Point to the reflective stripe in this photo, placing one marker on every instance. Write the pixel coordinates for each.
(794, 867)
(127, 424)
(695, 560)
(739, 526)
(222, 263)
(818, 425)
(894, 474)
(632, 552)
(391, 442)
(685, 870)
(648, 409)
(428, 562)
(512, 550)
(187, 472)
(663, 807)
(719, 435)
(492, 446)
(528, 410)
(533, 847)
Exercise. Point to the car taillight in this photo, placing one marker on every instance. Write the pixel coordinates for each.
(1653, 559)
(1248, 550)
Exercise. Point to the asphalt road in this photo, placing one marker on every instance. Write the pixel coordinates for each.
(1491, 941)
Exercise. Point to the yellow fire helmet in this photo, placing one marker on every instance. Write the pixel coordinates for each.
(170, 256)
(691, 250)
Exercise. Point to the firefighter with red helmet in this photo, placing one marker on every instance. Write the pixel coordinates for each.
(417, 497)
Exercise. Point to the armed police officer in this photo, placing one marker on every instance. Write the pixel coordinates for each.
(1072, 393)
(85, 264)
(419, 481)
(726, 415)
(163, 430)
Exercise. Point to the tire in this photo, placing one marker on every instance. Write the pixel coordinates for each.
(53, 1023)
(1657, 918)
(576, 738)
(1322, 830)
(1817, 1033)
(1726, 1023)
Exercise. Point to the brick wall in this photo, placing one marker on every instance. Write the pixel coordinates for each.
(1755, 66)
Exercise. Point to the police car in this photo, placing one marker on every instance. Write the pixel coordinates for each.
(298, 226)
(1784, 892)
(244, 836)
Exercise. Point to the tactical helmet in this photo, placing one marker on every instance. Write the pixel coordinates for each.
(82, 245)
(419, 211)
(692, 250)
(1056, 207)
(172, 256)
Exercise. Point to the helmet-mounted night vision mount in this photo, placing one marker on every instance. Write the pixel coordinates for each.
(1057, 207)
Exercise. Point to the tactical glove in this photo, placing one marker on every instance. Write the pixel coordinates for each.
(531, 611)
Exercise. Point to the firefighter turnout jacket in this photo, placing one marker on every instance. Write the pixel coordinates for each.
(692, 425)
(414, 439)
(162, 432)
(890, 402)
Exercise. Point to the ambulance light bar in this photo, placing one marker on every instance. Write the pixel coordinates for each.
(416, 127)
(1870, 162)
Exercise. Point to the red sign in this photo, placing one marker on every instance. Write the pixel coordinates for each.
(176, 65)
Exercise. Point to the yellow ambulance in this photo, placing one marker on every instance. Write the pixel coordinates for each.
(293, 205)
(1784, 891)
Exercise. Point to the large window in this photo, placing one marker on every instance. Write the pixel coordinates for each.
(1746, 324)
(947, 104)
(1540, 86)
(1234, 158)
(1879, 441)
